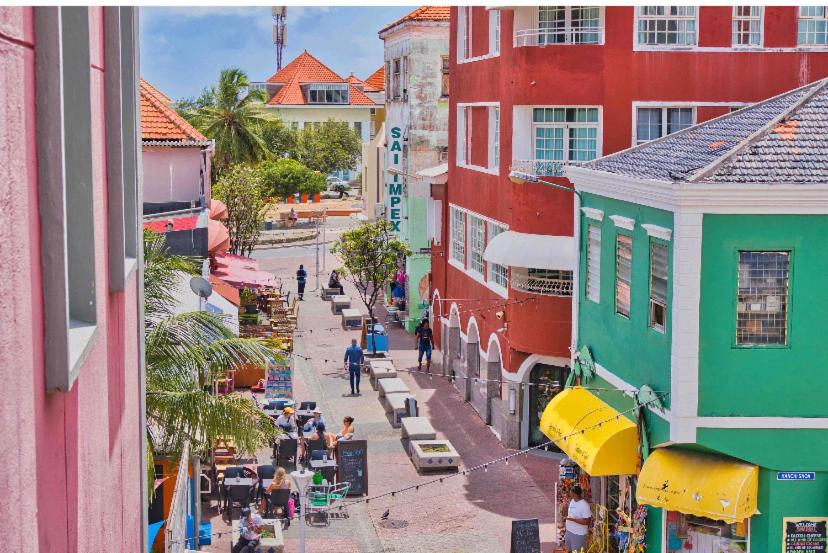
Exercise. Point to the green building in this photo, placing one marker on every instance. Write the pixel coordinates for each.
(704, 278)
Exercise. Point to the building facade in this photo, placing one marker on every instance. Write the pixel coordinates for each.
(416, 69)
(72, 409)
(306, 93)
(536, 89)
(701, 261)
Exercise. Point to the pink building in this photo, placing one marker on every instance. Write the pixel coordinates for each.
(71, 421)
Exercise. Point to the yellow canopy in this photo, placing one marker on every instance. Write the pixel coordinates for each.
(605, 450)
(699, 484)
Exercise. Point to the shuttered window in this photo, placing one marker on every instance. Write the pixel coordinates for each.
(593, 280)
(623, 274)
(658, 286)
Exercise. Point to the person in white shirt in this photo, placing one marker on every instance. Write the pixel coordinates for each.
(250, 530)
(287, 423)
(578, 517)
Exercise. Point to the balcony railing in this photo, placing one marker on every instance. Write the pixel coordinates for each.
(543, 285)
(539, 167)
(555, 37)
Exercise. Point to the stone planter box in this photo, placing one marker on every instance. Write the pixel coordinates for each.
(328, 293)
(434, 455)
(338, 303)
(351, 319)
(379, 369)
(395, 404)
(274, 544)
(418, 428)
(391, 386)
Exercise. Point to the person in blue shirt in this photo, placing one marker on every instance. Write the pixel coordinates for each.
(353, 362)
(301, 277)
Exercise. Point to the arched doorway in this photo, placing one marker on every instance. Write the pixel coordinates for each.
(545, 381)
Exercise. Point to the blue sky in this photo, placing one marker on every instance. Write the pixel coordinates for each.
(183, 49)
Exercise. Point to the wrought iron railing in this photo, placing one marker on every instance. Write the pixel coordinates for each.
(544, 286)
(555, 37)
(539, 167)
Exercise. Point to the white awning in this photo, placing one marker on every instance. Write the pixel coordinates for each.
(536, 251)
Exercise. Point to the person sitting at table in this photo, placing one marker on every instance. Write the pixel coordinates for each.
(250, 531)
(281, 481)
(347, 432)
(311, 423)
(287, 423)
(318, 433)
(334, 282)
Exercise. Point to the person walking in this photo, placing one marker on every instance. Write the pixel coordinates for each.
(353, 362)
(301, 278)
(578, 517)
(424, 342)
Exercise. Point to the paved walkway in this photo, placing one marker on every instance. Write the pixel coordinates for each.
(471, 513)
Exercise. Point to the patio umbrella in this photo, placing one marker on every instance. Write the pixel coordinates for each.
(218, 237)
(218, 210)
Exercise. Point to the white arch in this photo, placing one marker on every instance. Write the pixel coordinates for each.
(454, 315)
(525, 369)
(435, 299)
(494, 354)
(472, 338)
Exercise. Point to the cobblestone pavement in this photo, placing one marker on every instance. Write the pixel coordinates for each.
(471, 513)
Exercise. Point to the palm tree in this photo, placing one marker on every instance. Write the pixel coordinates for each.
(234, 119)
(185, 352)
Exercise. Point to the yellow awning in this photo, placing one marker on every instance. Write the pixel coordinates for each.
(604, 450)
(699, 484)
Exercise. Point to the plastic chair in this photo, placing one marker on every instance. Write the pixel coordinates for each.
(237, 495)
(320, 498)
(286, 453)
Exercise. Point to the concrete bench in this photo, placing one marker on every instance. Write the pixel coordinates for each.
(351, 319)
(392, 386)
(396, 405)
(338, 303)
(434, 455)
(379, 369)
(418, 428)
(328, 293)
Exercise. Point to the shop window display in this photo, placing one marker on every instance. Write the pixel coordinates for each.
(704, 535)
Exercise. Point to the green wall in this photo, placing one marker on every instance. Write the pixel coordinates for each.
(786, 381)
(775, 448)
(628, 347)
(417, 265)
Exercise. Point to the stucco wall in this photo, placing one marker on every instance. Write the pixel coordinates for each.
(171, 174)
(71, 475)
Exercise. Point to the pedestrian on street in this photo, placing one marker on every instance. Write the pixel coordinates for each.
(424, 342)
(578, 517)
(301, 278)
(353, 362)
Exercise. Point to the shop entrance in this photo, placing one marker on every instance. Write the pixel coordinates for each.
(547, 381)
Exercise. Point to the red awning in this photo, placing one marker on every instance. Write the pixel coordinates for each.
(242, 272)
(180, 223)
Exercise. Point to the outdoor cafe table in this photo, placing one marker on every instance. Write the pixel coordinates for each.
(328, 466)
(229, 482)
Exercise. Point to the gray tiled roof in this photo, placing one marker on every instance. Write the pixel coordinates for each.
(780, 140)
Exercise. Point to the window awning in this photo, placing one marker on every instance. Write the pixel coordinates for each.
(699, 484)
(605, 450)
(537, 251)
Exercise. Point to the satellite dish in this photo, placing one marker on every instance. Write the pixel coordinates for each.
(201, 287)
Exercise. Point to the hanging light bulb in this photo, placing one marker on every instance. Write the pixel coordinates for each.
(485, 468)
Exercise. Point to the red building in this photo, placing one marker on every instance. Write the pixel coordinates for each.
(536, 88)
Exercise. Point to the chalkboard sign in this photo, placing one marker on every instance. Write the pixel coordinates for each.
(526, 536)
(804, 534)
(352, 465)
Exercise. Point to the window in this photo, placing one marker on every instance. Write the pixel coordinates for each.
(593, 269)
(652, 123)
(324, 93)
(747, 25)
(667, 25)
(458, 236)
(65, 181)
(358, 128)
(812, 26)
(569, 25)
(464, 22)
(494, 137)
(658, 285)
(689, 530)
(547, 282)
(388, 78)
(444, 86)
(464, 135)
(396, 80)
(405, 70)
(623, 274)
(477, 244)
(762, 303)
(494, 32)
(562, 135)
(498, 274)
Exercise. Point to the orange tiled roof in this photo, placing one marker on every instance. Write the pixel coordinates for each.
(423, 13)
(376, 82)
(354, 80)
(161, 122)
(307, 69)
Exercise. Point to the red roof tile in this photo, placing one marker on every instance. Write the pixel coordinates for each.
(376, 82)
(161, 122)
(359, 98)
(423, 13)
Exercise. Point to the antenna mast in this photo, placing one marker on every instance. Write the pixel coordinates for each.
(279, 33)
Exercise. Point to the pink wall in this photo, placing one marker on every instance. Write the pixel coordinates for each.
(71, 477)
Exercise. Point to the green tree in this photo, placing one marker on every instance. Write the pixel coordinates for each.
(369, 255)
(205, 99)
(329, 147)
(285, 177)
(240, 188)
(281, 141)
(234, 119)
(185, 353)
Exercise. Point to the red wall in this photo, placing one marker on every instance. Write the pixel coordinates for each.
(612, 76)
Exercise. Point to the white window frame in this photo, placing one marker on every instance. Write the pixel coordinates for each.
(652, 301)
(494, 32)
(593, 278)
(396, 76)
(664, 531)
(804, 17)
(457, 242)
(665, 107)
(476, 240)
(464, 137)
(752, 18)
(494, 138)
(464, 33)
(665, 46)
(616, 257)
(435, 221)
(569, 31)
(597, 125)
(497, 281)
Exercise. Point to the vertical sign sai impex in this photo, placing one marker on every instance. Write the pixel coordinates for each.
(395, 182)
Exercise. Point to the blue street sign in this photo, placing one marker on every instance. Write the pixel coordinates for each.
(796, 476)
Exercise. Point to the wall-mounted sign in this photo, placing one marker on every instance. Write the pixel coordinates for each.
(278, 379)
(395, 185)
(796, 476)
(804, 535)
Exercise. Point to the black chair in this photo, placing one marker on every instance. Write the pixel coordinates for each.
(265, 471)
(307, 406)
(233, 472)
(237, 495)
(314, 445)
(286, 453)
(277, 499)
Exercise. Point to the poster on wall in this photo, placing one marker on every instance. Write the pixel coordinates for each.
(279, 378)
(804, 535)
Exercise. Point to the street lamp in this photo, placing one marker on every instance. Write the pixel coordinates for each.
(519, 177)
(301, 478)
